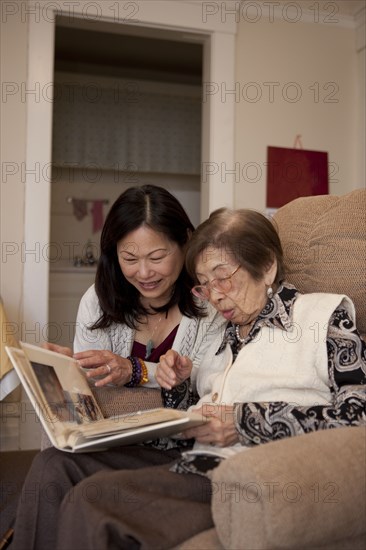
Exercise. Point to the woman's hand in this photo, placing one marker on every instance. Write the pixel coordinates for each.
(113, 368)
(59, 349)
(219, 430)
(173, 369)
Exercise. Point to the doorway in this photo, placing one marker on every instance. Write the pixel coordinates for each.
(217, 141)
(127, 111)
(218, 37)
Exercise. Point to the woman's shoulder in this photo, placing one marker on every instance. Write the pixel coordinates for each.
(89, 301)
(210, 316)
(195, 334)
(212, 323)
(288, 288)
(322, 301)
(90, 296)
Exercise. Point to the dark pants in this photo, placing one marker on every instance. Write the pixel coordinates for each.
(124, 498)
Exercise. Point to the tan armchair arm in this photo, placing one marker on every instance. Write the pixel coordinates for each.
(302, 492)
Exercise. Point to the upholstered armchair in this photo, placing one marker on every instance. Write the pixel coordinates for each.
(305, 492)
(308, 491)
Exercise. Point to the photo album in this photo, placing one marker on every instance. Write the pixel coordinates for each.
(64, 402)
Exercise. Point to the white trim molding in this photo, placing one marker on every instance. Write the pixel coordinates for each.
(217, 34)
(360, 19)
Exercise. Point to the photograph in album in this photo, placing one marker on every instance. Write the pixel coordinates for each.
(69, 413)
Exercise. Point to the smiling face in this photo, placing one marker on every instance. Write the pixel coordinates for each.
(246, 298)
(151, 263)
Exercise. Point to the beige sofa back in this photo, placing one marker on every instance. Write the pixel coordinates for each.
(324, 241)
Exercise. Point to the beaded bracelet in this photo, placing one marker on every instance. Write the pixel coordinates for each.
(139, 374)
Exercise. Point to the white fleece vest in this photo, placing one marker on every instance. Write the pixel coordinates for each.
(281, 365)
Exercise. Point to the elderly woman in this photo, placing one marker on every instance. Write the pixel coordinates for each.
(286, 364)
(289, 363)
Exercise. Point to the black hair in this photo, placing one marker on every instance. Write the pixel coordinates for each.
(155, 207)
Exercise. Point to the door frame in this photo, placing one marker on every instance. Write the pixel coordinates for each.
(218, 35)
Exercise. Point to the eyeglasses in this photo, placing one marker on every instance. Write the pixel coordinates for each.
(221, 285)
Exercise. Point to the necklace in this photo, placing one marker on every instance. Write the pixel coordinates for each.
(240, 339)
(237, 332)
(150, 342)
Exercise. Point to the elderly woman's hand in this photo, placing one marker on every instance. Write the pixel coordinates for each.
(103, 363)
(219, 430)
(173, 369)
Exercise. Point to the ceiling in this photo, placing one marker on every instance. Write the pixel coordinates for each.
(130, 51)
(107, 50)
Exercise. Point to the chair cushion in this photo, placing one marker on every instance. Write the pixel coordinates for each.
(114, 400)
(324, 242)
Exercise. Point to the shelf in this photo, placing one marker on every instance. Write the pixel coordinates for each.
(65, 266)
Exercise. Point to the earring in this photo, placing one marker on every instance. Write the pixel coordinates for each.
(269, 292)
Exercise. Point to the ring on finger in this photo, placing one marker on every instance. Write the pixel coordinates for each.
(109, 368)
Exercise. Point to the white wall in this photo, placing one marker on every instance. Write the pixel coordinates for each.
(13, 38)
(15, 432)
(361, 99)
(27, 42)
(313, 69)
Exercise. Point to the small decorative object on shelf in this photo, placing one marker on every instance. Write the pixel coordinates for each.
(88, 259)
(89, 255)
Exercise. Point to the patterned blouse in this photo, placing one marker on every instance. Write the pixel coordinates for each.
(267, 421)
(263, 422)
